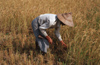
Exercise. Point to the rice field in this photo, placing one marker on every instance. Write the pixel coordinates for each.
(17, 40)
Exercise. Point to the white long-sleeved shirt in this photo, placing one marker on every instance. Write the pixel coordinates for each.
(49, 21)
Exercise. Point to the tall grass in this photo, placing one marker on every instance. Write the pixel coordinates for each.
(17, 41)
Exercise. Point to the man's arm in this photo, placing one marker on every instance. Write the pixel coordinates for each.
(43, 31)
(57, 33)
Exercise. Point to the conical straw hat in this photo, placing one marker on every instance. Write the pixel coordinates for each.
(66, 18)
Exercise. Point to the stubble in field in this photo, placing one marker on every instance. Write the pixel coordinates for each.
(17, 41)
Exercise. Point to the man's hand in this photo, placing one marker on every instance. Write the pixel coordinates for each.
(40, 36)
(63, 44)
(49, 39)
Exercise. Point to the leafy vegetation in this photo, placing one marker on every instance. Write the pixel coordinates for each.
(17, 41)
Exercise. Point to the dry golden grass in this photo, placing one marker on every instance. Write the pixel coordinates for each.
(17, 41)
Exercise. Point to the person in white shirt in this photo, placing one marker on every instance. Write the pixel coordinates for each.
(46, 21)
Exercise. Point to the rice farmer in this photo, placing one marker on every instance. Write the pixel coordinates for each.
(46, 21)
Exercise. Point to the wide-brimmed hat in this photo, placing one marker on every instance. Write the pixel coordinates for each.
(66, 18)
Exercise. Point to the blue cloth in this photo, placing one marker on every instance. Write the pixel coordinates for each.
(42, 42)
